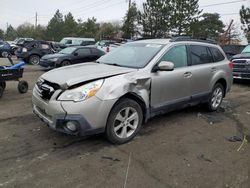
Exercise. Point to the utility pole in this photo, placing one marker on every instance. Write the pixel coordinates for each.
(36, 20)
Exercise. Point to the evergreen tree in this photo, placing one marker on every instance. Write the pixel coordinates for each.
(130, 25)
(1, 34)
(70, 25)
(155, 18)
(89, 28)
(55, 28)
(10, 33)
(183, 13)
(209, 26)
(245, 20)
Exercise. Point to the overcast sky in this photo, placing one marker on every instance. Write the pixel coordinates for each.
(16, 12)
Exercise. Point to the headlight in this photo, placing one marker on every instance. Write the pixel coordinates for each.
(24, 50)
(54, 59)
(81, 93)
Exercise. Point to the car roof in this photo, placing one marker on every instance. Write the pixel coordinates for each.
(154, 41)
(77, 38)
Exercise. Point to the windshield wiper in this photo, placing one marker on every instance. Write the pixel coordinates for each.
(114, 64)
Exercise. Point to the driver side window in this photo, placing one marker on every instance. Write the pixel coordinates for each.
(176, 55)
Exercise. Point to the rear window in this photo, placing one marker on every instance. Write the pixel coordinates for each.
(200, 55)
(218, 56)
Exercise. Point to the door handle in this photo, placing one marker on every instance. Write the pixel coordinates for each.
(187, 74)
(213, 69)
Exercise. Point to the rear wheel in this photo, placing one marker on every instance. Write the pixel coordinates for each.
(124, 121)
(23, 86)
(34, 59)
(65, 63)
(216, 97)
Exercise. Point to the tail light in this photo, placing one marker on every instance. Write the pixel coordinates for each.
(107, 49)
(231, 65)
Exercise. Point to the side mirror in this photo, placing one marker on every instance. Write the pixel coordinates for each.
(75, 54)
(165, 66)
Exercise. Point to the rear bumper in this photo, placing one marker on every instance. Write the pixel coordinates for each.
(22, 55)
(241, 75)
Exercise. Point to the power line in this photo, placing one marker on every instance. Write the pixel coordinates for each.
(225, 3)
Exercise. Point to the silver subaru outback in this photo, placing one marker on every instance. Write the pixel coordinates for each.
(130, 85)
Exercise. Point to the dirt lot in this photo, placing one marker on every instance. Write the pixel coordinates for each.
(187, 148)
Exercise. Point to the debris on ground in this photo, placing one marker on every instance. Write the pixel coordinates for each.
(234, 139)
(202, 157)
(111, 158)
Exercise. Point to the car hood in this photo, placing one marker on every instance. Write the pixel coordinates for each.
(243, 55)
(80, 73)
(56, 55)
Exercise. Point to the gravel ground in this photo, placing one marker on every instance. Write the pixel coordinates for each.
(187, 148)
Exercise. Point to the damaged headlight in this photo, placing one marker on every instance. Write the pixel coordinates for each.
(81, 93)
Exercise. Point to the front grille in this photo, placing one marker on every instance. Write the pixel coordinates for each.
(241, 65)
(46, 89)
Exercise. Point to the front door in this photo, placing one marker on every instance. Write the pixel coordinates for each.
(171, 89)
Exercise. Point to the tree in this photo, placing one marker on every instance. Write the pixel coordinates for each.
(107, 30)
(155, 18)
(209, 26)
(10, 33)
(89, 28)
(1, 34)
(245, 20)
(130, 25)
(55, 28)
(183, 13)
(70, 25)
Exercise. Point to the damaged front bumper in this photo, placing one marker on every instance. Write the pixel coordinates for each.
(73, 118)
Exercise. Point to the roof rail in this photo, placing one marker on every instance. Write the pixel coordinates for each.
(188, 38)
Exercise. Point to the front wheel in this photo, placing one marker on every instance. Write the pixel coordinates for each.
(23, 87)
(34, 59)
(65, 63)
(216, 97)
(124, 121)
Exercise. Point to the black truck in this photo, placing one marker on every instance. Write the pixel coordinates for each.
(241, 64)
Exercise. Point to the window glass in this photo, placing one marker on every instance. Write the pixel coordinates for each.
(83, 52)
(45, 46)
(218, 56)
(200, 55)
(176, 55)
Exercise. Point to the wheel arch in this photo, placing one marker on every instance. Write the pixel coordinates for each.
(223, 82)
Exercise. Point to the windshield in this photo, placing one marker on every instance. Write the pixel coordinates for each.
(69, 50)
(246, 50)
(134, 55)
(66, 41)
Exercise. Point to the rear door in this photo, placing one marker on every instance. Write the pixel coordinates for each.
(83, 55)
(171, 89)
(202, 70)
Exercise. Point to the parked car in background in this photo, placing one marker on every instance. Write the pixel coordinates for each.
(71, 55)
(57, 46)
(107, 45)
(231, 50)
(34, 50)
(4, 48)
(18, 42)
(129, 85)
(242, 64)
(74, 41)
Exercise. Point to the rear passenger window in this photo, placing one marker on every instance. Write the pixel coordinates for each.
(83, 52)
(200, 55)
(218, 56)
(176, 55)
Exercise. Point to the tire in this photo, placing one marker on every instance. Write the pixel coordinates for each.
(216, 97)
(4, 54)
(65, 63)
(1, 91)
(34, 59)
(120, 129)
(23, 87)
(3, 85)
